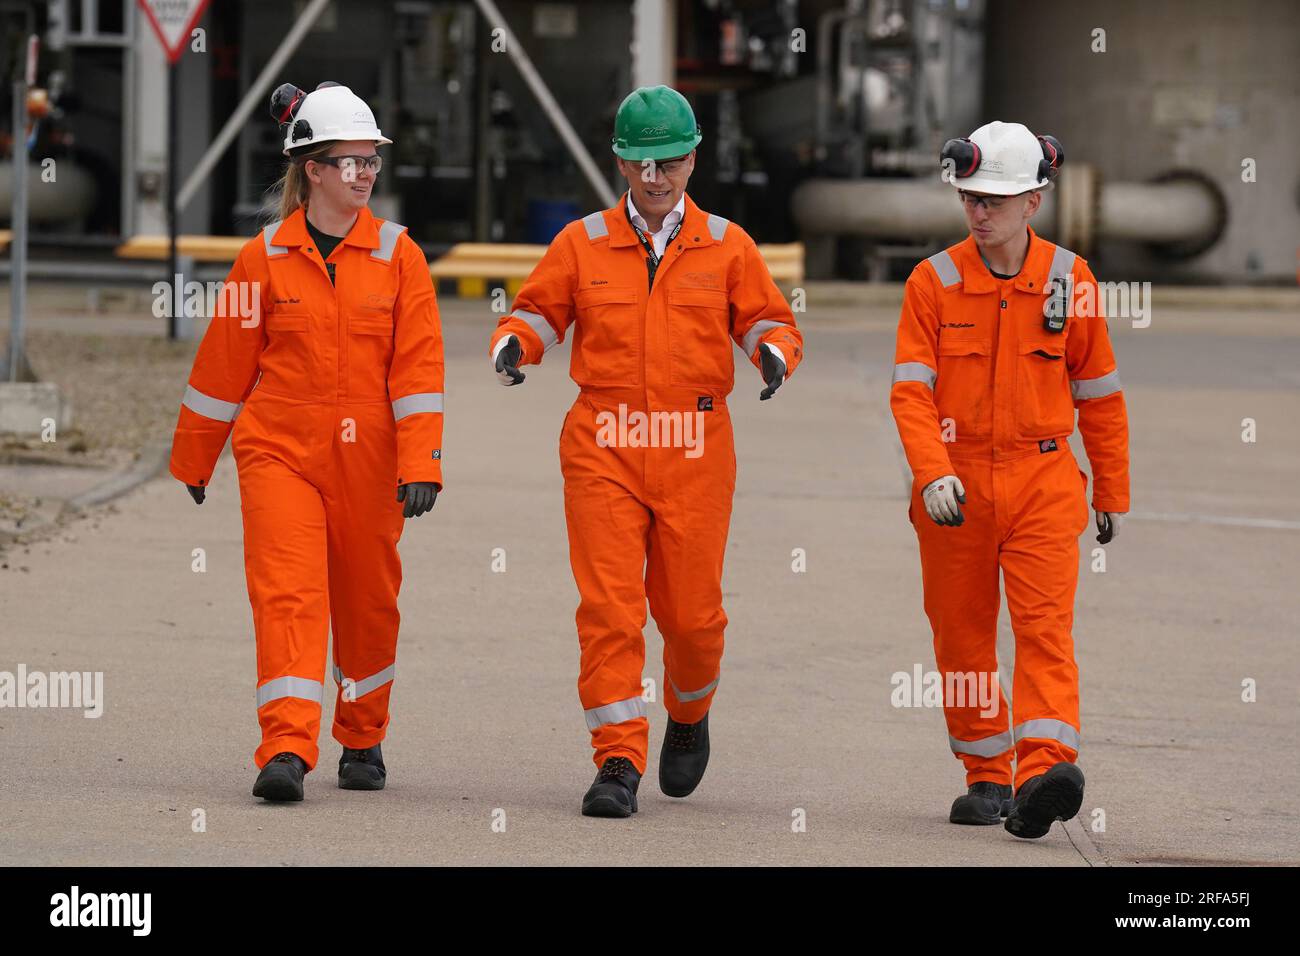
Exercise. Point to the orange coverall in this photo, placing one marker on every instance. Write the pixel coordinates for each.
(983, 391)
(334, 395)
(649, 522)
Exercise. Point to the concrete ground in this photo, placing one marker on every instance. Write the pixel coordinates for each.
(1199, 595)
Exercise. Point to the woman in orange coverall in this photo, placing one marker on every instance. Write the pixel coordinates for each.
(324, 358)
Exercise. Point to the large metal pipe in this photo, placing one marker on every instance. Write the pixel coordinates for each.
(73, 198)
(1182, 212)
(1175, 211)
(884, 208)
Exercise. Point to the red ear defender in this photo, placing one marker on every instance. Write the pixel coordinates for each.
(964, 154)
(1053, 156)
(285, 102)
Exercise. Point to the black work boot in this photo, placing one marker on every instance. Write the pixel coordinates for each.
(281, 778)
(362, 769)
(1042, 800)
(684, 756)
(613, 794)
(984, 804)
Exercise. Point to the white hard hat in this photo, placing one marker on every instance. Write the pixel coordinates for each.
(331, 112)
(1006, 159)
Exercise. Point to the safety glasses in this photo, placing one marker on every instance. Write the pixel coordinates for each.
(350, 166)
(669, 167)
(991, 203)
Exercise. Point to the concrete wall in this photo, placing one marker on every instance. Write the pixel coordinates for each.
(1183, 83)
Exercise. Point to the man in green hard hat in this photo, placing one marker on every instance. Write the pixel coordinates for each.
(656, 291)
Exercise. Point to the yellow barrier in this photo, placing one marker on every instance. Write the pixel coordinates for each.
(472, 264)
(199, 248)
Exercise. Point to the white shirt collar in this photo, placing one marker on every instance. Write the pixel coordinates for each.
(674, 215)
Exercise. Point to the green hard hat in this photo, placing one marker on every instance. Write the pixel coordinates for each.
(655, 122)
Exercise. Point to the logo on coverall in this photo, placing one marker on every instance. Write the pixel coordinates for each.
(656, 429)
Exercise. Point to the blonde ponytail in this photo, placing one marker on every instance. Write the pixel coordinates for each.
(293, 189)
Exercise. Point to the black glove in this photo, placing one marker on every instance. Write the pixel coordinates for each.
(1105, 530)
(197, 492)
(773, 371)
(419, 499)
(508, 362)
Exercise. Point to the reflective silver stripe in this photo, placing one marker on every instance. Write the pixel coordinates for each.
(1108, 384)
(914, 372)
(209, 407)
(267, 233)
(757, 331)
(388, 233)
(416, 403)
(595, 224)
(691, 695)
(984, 747)
(367, 684)
(1047, 728)
(540, 326)
(717, 227)
(299, 687)
(615, 713)
(945, 268)
(1062, 264)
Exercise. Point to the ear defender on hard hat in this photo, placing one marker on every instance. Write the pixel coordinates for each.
(1053, 156)
(331, 112)
(285, 103)
(964, 154)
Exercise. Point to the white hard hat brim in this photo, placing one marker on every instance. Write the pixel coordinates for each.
(995, 187)
(344, 137)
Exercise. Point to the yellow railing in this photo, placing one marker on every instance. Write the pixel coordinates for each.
(472, 265)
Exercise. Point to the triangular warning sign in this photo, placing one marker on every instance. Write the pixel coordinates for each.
(173, 20)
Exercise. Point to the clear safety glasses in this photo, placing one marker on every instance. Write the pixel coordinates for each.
(350, 166)
(669, 167)
(672, 166)
(991, 203)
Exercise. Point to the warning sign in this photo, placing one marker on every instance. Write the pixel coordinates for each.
(173, 20)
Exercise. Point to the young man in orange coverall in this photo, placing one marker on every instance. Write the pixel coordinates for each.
(326, 361)
(657, 291)
(997, 347)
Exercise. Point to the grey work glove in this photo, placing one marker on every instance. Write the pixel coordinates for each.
(773, 371)
(943, 499)
(507, 362)
(1108, 523)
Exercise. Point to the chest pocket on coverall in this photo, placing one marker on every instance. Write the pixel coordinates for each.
(1044, 408)
(700, 346)
(289, 360)
(608, 338)
(370, 353)
(963, 390)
